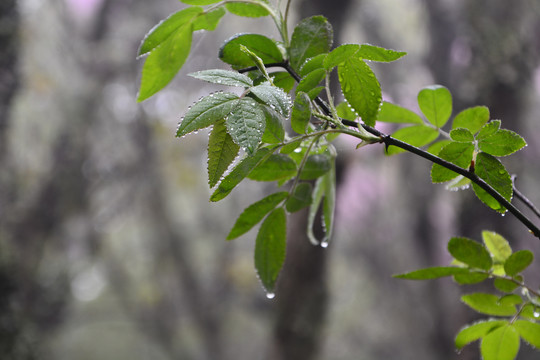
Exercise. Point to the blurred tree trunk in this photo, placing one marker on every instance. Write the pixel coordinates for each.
(302, 293)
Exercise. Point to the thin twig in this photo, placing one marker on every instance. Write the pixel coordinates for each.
(390, 141)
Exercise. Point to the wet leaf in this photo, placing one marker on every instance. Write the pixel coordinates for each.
(301, 113)
(311, 37)
(457, 153)
(247, 9)
(262, 46)
(223, 77)
(517, 262)
(470, 253)
(209, 20)
(246, 124)
(494, 173)
(500, 344)
(221, 152)
(501, 143)
(436, 104)
(276, 167)
(488, 304)
(207, 111)
(300, 198)
(254, 213)
(316, 165)
(274, 97)
(529, 331)
(417, 135)
(497, 245)
(396, 114)
(476, 331)
(432, 273)
(270, 248)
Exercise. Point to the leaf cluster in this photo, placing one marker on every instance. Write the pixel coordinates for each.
(514, 311)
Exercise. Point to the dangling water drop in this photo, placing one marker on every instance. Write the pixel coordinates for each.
(270, 295)
(536, 314)
(324, 244)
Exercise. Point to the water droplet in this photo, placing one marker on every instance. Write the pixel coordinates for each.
(298, 150)
(536, 314)
(270, 295)
(324, 244)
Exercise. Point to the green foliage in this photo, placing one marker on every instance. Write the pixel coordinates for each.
(499, 337)
(251, 127)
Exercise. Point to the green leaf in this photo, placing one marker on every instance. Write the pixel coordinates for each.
(276, 167)
(318, 194)
(274, 132)
(209, 20)
(471, 278)
(458, 183)
(493, 172)
(310, 81)
(530, 311)
(511, 299)
(292, 145)
(223, 77)
(478, 330)
(340, 55)
(239, 173)
(397, 114)
(488, 304)
(505, 285)
(436, 104)
(529, 331)
(260, 45)
(311, 37)
(254, 213)
(470, 253)
(270, 248)
(221, 152)
(167, 28)
(165, 61)
(457, 153)
(432, 273)
(247, 9)
(200, 2)
(417, 135)
(517, 262)
(488, 129)
(283, 80)
(377, 53)
(207, 111)
(274, 97)
(461, 135)
(246, 124)
(301, 113)
(345, 111)
(501, 143)
(361, 89)
(329, 203)
(472, 119)
(300, 198)
(500, 344)
(316, 165)
(436, 147)
(497, 245)
(312, 64)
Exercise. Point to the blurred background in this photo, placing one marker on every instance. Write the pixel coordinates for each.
(110, 249)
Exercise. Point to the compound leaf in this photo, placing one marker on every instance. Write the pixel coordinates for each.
(221, 152)
(207, 111)
(254, 213)
(270, 248)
